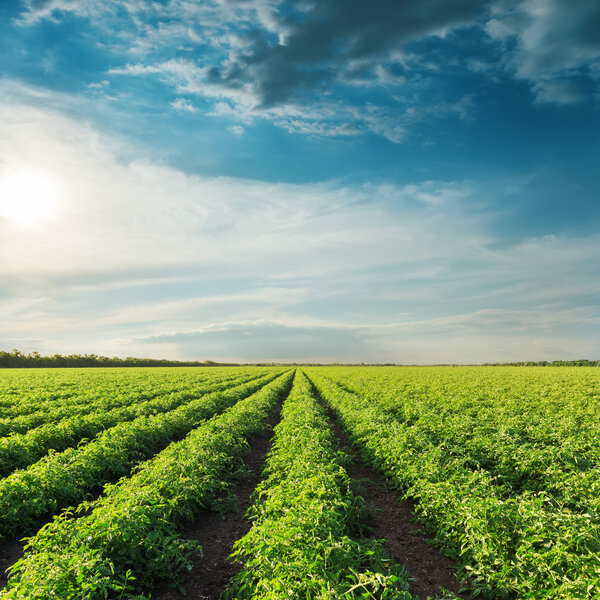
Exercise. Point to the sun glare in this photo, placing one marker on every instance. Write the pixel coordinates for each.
(27, 197)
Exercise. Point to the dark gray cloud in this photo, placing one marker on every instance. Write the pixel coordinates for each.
(270, 341)
(554, 44)
(38, 4)
(283, 51)
(307, 46)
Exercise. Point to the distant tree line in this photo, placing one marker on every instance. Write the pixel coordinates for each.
(16, 358)
(583, 362)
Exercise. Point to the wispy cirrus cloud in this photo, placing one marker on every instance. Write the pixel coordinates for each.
(326, 117)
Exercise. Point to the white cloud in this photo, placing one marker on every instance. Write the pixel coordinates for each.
(145, 259)
(236, 130)
(114, 208)
(322, 118)
(37, 10)
(96, 85)
(558, 91)
(183, 105)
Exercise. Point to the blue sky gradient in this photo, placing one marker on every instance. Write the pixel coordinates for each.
(410, 182)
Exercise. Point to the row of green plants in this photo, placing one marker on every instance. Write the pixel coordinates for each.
(518, 547)
(43, 394)
(129, 537)
(20, 450)
(306, 541)
(542, 406)
(62, 479)
(24, 390)
(541, 437)
(56, 411)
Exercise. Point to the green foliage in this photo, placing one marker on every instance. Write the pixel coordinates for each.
(510, 542)
(129, 537)
(18, 451)
(303, 543)
(62, 479)
(503, 465)
(18, 359)
(533, 430)
(22, 415)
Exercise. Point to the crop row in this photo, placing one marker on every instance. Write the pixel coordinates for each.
(23, 391)
(53, 412)
(130, 536)
(538, 406)
(525, 547)
(304, 541)
(65, 478)
(96, 393)
(19, 450)
(564, 465)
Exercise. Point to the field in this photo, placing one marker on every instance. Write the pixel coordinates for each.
(319, 482)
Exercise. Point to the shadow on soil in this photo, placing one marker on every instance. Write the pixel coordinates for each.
(216, 533)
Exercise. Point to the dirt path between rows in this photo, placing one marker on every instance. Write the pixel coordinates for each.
(406, 542)
(211, 571)
(11, 550)
(393, 520)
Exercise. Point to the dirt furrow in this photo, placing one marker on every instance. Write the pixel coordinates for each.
(216, 533)
(11, 550)
(392, 519)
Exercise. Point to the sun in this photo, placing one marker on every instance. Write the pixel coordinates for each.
(27, 196)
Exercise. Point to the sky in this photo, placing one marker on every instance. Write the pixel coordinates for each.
(407, 181)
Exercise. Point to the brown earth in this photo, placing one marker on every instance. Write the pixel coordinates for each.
(216, 533)
(393, 520)
(11, 550)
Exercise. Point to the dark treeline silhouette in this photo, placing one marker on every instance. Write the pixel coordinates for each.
(583, 362)
(16, 359)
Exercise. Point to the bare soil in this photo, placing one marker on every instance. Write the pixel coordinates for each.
(11, 550)
(216, 533)
(393, 520)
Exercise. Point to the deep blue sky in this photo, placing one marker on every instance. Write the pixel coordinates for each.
(268, 179)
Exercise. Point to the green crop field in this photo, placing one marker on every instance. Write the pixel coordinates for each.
(109, 472)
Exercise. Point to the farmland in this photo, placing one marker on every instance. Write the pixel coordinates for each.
(141, 482)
